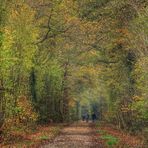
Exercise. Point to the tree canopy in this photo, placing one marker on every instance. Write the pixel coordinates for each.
(61, 58)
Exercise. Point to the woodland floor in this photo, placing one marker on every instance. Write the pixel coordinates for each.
(89, 135)
(77, 135)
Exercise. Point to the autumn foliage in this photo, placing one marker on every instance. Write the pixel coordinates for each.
(60, 59)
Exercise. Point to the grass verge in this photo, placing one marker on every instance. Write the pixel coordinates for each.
(110, 140)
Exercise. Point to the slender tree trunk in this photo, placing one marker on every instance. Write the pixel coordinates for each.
(33, 86)
(65, 99)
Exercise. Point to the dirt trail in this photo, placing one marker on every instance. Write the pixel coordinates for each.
(78, 135)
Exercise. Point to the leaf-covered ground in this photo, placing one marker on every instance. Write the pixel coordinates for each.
(118, 139)
(19, 138)
(77, 135)
(89, 135)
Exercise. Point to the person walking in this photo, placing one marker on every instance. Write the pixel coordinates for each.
(87, 117)
(94, 117)
(83, 117)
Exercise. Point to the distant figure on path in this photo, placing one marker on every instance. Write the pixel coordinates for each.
(94, 117)
(83, 117)
(87, 117)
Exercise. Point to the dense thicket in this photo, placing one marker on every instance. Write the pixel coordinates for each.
(59, 59)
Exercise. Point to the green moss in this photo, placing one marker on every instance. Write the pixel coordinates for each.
(102, 132)
(110, 140)
(44, 137)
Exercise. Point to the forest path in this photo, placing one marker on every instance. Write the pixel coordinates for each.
(77, 135)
